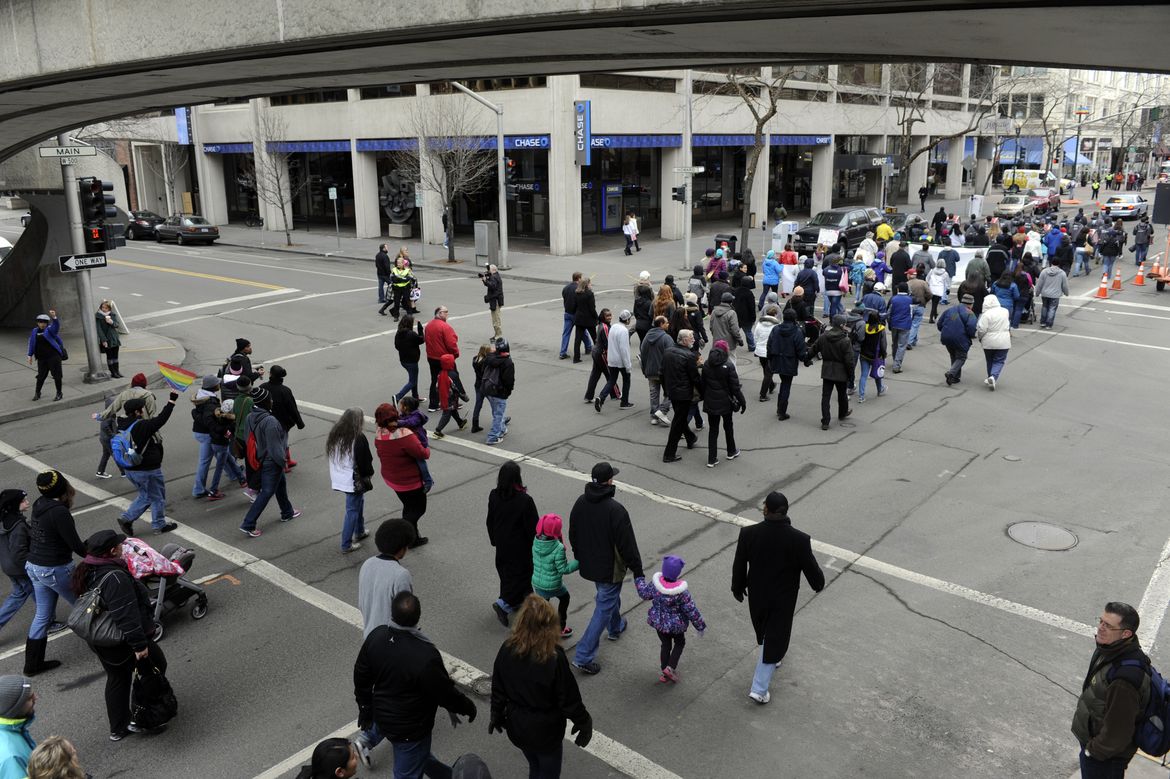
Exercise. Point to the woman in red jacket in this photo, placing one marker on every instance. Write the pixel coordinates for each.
(399, 449)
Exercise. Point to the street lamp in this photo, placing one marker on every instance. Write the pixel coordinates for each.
(1019, 125)
(1082, 112)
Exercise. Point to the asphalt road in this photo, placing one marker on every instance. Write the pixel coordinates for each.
(947, 650)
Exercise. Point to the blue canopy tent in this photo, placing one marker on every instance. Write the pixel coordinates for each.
(1072, 156)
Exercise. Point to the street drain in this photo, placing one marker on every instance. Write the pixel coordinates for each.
(1041, 535)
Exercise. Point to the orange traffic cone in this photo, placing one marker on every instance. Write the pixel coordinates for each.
(1157, 271)
(1140, 279)
(1103, 290)
(1117, 280)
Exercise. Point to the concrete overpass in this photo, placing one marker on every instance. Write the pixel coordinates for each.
(70, 63)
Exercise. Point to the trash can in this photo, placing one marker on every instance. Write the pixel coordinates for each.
(487, 242)
(721, 238)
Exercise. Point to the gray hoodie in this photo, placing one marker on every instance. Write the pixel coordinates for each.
(650, 351)
(1052, 282)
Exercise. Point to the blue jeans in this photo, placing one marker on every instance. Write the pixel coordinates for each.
(499, 406)
(835, 305)
(607, 615)
(1139, 253)
(22, 590)
(199, 487)
(1091, 768)
(152, 494)
(863, 376)
(1107, 266)
(354, 523)
(411, 384)
(916, 314)
(479, 396)
(565, 333)
(763, 675)
(1048, 310)
(750, 337)
(224, 460)
(1017, 313)
(413, 759)
(383, 283)
(1080, 262)
(271, 483)
(48, 582)
(995, 361)
(372, 737)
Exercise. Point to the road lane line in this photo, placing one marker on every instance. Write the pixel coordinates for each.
(1122, 313)
(830, 550)
(209, 304)
(464, 674)
(195, 274)
(1153, 605)
(1092, 338)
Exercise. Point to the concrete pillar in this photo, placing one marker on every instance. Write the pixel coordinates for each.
(431, 212)
(367, 221)
(916, 176)
(564, 176)
(673, 212)
(955, 148)
(874, 144)
(821, 196)
(760, 203)
(212, 191)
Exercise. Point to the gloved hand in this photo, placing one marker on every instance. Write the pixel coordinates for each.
(495, 726)
(743, 407)
(365, 717)
(174, 396)
(583, 731)
(738, 596)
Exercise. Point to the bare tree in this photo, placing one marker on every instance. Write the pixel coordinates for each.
(274, 183)
(453, 159)
(173, 159)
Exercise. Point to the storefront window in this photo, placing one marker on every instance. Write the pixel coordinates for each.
(311, 176)
(527, 212)
(239, 184)
(621, 180)
(790, 177)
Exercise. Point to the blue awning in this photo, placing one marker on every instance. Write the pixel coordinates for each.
(1032, 151)
(1069, 147)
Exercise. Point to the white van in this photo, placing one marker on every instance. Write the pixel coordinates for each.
(1020, 179)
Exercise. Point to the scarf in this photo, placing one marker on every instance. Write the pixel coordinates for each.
(94, 561)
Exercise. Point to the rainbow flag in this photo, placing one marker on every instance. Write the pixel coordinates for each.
(178, 378)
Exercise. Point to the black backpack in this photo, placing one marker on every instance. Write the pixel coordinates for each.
(1111, 243)
(489, 383)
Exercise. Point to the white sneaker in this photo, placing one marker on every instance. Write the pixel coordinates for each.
(662, 417)
(760, 699)
(991, 382)
(653, 421)
(363, 751)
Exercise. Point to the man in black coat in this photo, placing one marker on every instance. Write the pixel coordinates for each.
(899, 264)
(284, 408)
(400, 682)
(603, 542)
(680, 380)
(836, 351)
(769, 559)
(569, 297)
(382, 266)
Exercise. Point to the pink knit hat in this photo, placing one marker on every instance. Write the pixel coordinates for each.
(550, 526)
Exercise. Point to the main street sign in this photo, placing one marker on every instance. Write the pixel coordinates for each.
(67, 152)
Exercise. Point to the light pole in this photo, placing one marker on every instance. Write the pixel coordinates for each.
(500, 181)
(1081, 114)
(1019, 125)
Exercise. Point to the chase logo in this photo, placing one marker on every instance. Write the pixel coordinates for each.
(580, 108)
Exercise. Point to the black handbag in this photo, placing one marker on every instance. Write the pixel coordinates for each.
(92, 622)
(152, 699)
(362, 484)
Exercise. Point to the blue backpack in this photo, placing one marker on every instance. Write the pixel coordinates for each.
(122, 447)
(1152, 735)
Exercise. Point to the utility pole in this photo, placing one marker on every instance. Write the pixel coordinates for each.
(688, 179)
(95, 373)
(500, 179)
(1063, 128)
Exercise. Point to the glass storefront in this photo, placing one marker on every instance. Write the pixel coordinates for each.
(311, 175)
(718, 190)
(528, 210)
(617, 181)
(790, 177)
(239, 185)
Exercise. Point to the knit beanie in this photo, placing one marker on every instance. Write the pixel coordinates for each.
(259, 395)
(10, 500)
(720, 344)
(15, 690)
(550, 526)
(52, 484)
(242, 343)
(139, 380)
(672, 567)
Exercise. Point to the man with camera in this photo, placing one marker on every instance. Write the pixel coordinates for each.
(494, 297)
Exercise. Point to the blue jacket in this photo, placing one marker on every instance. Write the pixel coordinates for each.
(1052, 240)
(956, 328)
(772, 271)
(1007, 295)
(15, 747)
(900, 311)
(874, 302)
(49, 335)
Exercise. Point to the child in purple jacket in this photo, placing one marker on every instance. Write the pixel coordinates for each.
(671, 611)
(409, 416)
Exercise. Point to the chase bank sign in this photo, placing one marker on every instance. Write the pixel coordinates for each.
(582, 132)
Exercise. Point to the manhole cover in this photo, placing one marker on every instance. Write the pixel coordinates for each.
(1041, 535)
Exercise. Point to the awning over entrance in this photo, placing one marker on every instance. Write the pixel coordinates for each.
(1031, 151)
(1071, 158)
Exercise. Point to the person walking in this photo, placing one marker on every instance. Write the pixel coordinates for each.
(18, 705)
(511, 527)
(787, 348)
(901, 319)
(603, 542)
(872, 353)
(923, 191)
(147, 475)
(223, 424)
(600, 355)
(651, 352)
(628, 232)
(1143, 235)
(836, 284)
(270, 450)
(45, 344)
(762, 331)
(1051, 286)
(494, 297)
(383, 268)
(836, 354)
(477, 364)
(440, 339)
(569, 301)
(448, 397)
(497, 382)
(137, 389)
(772, 272)
(408, 341)
(126, 600)
(671, 611)
(351, 472)
(919, 297)
(618, 361)
(550, 564)
(725, 323)
(938, 282)
(585, 318)
(53, 541)
(1113, 695)
(1110, 245)
(203, 408)
(399, 683)
(643, 311)
(398, 451)
(957, 328)
(402, 281)
(14, 545)
(769, 560)
(682, 383)
(109, 340)
(284, 408)
(994, 333)
(722, 397)
(1007, 292)
(534, 693)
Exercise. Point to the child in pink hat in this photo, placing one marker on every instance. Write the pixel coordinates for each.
(550, 564)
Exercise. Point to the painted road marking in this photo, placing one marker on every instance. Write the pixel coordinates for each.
(1154, 601)
(209, 304)
(282, 268)
(849, 556)
(253, 308)
(196, 274)
(173, 302)
(464, 674)
(1122, 313)
(1089, 297)
(1093, 338)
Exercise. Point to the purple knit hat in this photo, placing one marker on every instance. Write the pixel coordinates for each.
(672, 567)
(720, 344)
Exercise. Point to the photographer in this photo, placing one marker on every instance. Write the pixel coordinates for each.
(494, 297)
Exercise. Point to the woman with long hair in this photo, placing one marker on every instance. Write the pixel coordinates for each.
(398, 449)
(511, 526)
(664, 303)
(585, 317)
(477, 365)
(55, 758)
(108, 336)
(351, 467)
(53, 541)
(408, 341)
(333, 758)
(534, 692)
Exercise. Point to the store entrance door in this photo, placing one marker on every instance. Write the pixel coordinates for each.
(611, 213)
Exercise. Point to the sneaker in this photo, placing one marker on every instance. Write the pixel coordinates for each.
(363, 751)
(618, 634)
(987, 381)
(166, 528)
(251, 533)
(712, 464)
(501, 615)
(670, 673)
(950, 379)
(733, 455)
(217, 495)
(698, 426)
(296, 513)
(566, 632)
(476, 429)
(653, 421)
(590, 668)
(662, 678)
(462, 425)
(351, 548)
(127, 527)
(824, 426)
(782, 417)
(118, 735)
(883, 391)
(662, 417)
(991, 382)
(362, 536)
(588, 400)
(861, 398)
(250, 494)
(419, 541)
(149, 731)
(437, 434)
(760, 699)
(896, 370)
(492, 441)
(847, 414)
(244, 483)
(205, 494)
(628, 405)
(673, 459)
(104, 475)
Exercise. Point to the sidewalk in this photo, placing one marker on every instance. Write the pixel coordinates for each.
(140, 353)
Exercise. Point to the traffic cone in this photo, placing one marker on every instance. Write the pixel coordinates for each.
(1157, 271)
(1103, 290)
(1140, 279)
(1117, 280)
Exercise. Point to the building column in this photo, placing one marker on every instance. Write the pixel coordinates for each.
(821, 197)
(760, 188)
(564, 175)
(212, 192)
(955, 149)
(431, 211)
(673, 212)
(916, 176)
(984, 161)
(367, 222)
(874, 144)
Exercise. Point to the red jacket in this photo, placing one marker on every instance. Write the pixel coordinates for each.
(441, 339)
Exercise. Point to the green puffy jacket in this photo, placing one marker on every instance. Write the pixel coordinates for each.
(549, 564)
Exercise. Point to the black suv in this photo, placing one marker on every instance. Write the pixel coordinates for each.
(851, 225)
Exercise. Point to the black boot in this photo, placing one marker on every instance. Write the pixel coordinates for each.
(34, 657)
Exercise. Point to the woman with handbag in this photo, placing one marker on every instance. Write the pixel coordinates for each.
(873, 355)
(53, 541)
(351, 470)
(127, 603)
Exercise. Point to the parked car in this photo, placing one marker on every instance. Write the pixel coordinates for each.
(911, 226)
(1127, 205)
(186, 229)
(1013, 206)
(851, 225)
(1044, 199)
(142, 224)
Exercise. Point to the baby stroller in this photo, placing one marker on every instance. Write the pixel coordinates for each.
(163, 573)
(812, 330)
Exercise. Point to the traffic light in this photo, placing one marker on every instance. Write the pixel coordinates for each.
(96, 205)
(679, 193)
(95, 239)
(511, 190)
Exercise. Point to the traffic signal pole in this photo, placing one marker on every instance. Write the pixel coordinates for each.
(95, 372)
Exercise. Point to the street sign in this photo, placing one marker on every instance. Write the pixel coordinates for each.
(71, 263)
(333, 193)
(67, 151)
(691, 169)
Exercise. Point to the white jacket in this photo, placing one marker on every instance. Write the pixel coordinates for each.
(341, 472)
(761, 331)
(619, 346)
(938, 281)
(994, 327)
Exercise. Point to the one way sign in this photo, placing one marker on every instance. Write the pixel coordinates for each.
(71, 263)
